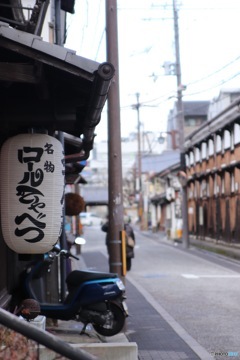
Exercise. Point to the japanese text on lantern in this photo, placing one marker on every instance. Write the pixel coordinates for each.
(31, 191)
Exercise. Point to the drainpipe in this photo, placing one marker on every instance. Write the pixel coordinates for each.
(98, 97)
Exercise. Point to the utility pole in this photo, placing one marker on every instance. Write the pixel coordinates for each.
(139, 172)
(114, 145)
(180, 124)
(58, 22)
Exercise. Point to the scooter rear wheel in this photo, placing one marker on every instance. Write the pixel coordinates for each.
(114, 324)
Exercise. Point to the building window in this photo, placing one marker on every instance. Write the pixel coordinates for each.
(226, 140)
(190, 193)
(222, 185)
(236, 134)
(204, 150)
(218, 144)
(191, 122)
(210, 147)
(191, 158)
(195, 190)
(197, 154)
(232, 183)
(215, 186)
(207, 189)
(204, 189)
(232, 139)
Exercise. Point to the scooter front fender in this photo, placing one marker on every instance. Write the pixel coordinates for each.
(121, 303)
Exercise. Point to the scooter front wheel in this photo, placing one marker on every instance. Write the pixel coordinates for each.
(115, 319)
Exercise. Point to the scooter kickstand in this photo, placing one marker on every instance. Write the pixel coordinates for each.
(83, 331)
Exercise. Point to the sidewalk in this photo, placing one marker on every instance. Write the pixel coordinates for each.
(219, 247)
(155, 337)
(149, 334)
(116, 347)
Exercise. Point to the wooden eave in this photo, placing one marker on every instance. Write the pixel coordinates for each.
(49, 88)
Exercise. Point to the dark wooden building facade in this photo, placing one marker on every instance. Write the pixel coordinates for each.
(48, 89)
(213, 173)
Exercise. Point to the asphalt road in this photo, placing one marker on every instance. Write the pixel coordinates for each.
(201, 292)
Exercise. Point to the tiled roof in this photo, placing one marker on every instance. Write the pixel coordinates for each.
(195, 108)
(94, 195)
(156, 163)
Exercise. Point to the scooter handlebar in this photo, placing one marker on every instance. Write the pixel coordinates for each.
(64, 253)
(73, 256)
(67, 254)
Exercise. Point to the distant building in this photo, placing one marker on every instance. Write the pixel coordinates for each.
(155, 159)
(164, 188)
(213, 173)
(195, 114)
(225, 98)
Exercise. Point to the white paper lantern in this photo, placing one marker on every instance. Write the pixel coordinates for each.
(32, 192)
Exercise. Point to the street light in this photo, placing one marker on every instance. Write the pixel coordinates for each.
(172, 133)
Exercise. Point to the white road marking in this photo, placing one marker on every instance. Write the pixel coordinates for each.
(193, 276)
(190, 276)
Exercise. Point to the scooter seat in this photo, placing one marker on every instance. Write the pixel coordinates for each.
(77, 277)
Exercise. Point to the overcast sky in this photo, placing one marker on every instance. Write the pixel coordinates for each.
(209, 51)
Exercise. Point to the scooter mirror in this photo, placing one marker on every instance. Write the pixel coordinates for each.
(56, 248)
(80, 241)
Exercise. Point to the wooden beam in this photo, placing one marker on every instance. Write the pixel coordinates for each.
(17, 72)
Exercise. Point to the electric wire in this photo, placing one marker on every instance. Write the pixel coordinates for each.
(85, 25)
(214, 86)
(100, 43)
(165, 97)
(95, 31)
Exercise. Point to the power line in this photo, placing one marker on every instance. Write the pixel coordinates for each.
(214, 86)
(100, 43)
(166, 96)
(95, 32)
(209, 75)
(215, 72)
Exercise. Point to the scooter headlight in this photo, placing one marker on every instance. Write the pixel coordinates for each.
(120, 285)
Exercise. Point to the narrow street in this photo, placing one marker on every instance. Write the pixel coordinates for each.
(196, 293)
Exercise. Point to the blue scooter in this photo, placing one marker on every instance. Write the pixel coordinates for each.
(95, 298)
